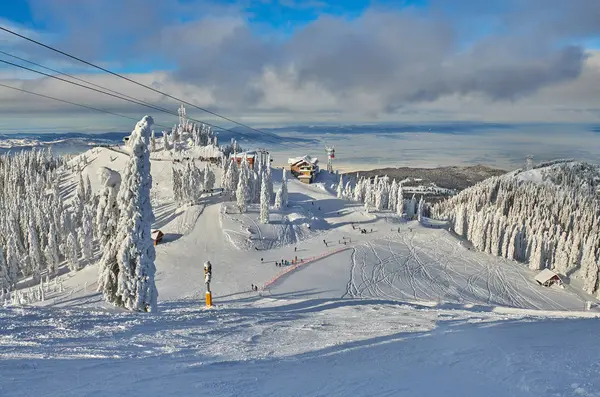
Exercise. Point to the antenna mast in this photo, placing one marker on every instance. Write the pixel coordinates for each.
(330, 156)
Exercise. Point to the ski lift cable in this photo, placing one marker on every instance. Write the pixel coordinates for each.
(131, 80)
(154, 107)
(74, 104)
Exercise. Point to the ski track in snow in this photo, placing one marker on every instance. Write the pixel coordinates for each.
(425, 266)
(403, 312)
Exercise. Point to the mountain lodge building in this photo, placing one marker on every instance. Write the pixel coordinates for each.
(304, 168)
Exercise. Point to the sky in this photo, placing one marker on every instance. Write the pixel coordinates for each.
(278, 62)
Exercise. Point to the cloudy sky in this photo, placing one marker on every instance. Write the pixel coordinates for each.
(276, 62)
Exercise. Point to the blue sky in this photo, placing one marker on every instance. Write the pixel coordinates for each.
(293, 61)
(271, 18)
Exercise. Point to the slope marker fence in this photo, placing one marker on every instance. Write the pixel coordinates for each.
(301, 263)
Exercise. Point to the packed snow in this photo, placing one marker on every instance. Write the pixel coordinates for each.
(352, 297)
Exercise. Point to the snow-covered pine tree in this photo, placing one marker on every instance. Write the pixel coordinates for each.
(420, 209)
(269, 178)
(393, 200)
(411, 207)
(255, 183)
(107, 211)
(72, 253)
(348, 190)
(175, 135)
(5, 282)
(340, 188)
(177, 190)
(51, 251)
(35, 253)
(400, 201)
(166, 145)
(246, 171)
(385, 193)
(538, 258)
(12, 261)
(277, 204)
(89, 193)
(232, 178)
(264, 200)
(368, 194)
(86, 236)
(284, 189)
(589, 266)
(136, 289)
(240, 193)
(359, 190)
(209, 178)
(78, 202)
(153, 142)
(379, 196)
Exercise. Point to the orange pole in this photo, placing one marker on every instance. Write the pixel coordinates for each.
(208, 299)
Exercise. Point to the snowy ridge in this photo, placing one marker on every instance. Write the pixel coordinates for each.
(546, 217)
(27, 140)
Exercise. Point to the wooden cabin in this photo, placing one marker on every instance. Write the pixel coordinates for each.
(304, 168)
(250, 157)
(547, 277)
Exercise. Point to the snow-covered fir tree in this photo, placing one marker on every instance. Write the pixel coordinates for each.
(368, 194)
(12, 261)
(393, 198)
(79, 201)
(89, 193)
(340, 188)
(107, 211)
(264, 200)
(550, 224)
(52, 251)
(209, 178)
(136, 288)
(35, 253)
(378, 195)
(359, 190)
(420, 208)
(348, 193)
(400, 201)
(86, 236)
(240, 193)
(165, 141)
(281, 198)
(269, 178)
(5, 281)
(255, 184)
(153, 142)
(231, 178)
(72, 251)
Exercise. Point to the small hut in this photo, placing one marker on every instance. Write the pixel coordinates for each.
(547, 277)
(157, 236)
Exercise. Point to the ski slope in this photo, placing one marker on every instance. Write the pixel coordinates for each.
(402, 310)
(296, 348)
(418, 264)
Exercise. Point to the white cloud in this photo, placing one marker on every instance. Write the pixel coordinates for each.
(385, 65)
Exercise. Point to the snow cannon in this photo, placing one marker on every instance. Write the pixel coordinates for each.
(207, 278)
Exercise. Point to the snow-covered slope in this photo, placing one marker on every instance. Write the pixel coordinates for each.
(260, 347)
(399, 310)
(546, 217)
